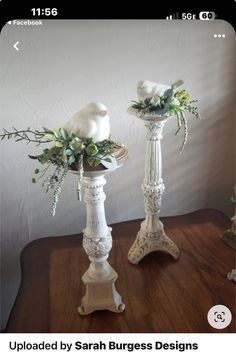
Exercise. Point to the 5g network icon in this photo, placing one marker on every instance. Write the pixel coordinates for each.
(207, 15)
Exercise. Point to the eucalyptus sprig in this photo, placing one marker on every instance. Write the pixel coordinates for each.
(28, 135)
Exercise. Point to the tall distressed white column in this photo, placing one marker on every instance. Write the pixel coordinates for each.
(151, 236)
(100, 277)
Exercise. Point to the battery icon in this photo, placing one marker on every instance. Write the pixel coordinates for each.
(207, 15)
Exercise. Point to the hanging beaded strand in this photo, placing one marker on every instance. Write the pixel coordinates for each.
(58, 190)
(80, 178)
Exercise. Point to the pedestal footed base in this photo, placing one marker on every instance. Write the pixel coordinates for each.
(147, 242)
(101, 294)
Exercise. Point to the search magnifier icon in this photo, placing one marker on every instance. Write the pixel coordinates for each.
(219, 316)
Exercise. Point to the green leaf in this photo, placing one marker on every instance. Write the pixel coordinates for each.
(93, 162)
(107, 159)
(77, 145)
(92, 149)
(68, 151)
(33, 180)
(90, 160)
(71, 159)
(63, 133)
(57, 132)
(33, 156)
(58, 144)
(147, 101)
(50, 136)
(43, 159)
(46, 130)
(64, 157)
(55, 150)
(36, 171)
(96, 162)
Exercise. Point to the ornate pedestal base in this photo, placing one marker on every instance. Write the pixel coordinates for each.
(147, 242)
(151, 236)
(101, 295)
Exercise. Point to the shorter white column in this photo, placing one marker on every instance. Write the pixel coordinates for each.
(100, 277)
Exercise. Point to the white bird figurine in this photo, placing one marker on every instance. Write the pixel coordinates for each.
(147, 89)
(91, 121)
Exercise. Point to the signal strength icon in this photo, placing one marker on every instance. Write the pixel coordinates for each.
(173, 16)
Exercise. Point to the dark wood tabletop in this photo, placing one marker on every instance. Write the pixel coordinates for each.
(161, 294)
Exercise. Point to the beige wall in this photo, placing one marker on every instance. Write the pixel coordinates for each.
(62, 66)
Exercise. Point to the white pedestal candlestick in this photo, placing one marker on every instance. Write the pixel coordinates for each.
(151, 236)
(100, 277)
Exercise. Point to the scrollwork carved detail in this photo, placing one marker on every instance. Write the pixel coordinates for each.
(146, 243)
(97, 247)
(153, 196)
(154, 130)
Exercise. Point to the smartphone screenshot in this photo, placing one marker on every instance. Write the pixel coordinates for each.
(118, 191)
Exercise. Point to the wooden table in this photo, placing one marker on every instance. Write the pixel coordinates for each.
(161, 294)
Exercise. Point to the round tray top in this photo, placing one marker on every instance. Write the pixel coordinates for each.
(147, 117)
(121, 154)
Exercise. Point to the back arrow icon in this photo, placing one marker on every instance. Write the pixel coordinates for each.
(15, 46)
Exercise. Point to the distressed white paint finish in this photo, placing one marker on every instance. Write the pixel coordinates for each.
(152, 236)
(64, 65)
(100, 277)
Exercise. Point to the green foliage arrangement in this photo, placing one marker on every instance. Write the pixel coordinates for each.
(67, 152)
(172, 103)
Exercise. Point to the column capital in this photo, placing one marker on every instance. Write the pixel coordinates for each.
(154, 129)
